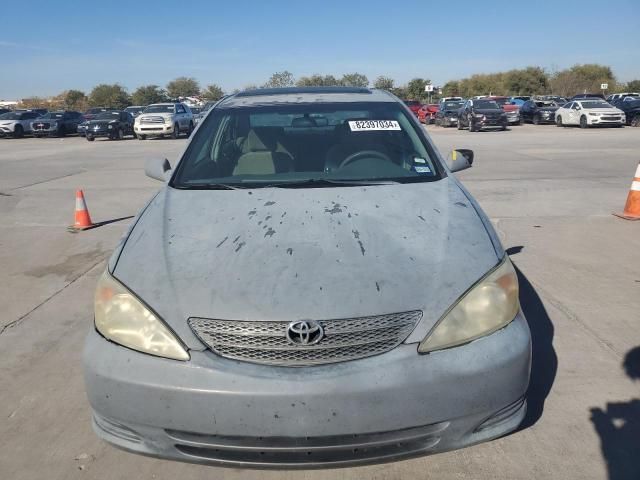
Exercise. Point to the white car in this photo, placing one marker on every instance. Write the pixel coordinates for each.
(162, 119)
(589, 112)
(16, 124)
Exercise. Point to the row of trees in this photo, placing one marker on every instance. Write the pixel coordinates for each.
(530, 80)
(117, 96)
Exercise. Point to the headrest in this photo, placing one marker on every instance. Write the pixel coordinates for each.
(261, 139)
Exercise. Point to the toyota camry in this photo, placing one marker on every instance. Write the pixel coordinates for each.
(310, 287)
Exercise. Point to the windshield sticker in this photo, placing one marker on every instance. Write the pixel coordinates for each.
(423, 169)
(419, 160)
(373, 125)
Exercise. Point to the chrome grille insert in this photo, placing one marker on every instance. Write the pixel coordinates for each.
(152, 120)
(267, 343)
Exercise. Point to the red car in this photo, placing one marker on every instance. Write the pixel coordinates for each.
(512, 110)
(427, 113)
(414, 105)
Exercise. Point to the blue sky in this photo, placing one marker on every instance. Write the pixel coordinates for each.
(49, 46)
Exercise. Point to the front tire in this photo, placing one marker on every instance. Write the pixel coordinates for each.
(559, 121)
(459, 124)
(191, 129)
(18, 132)
(142, 137)
(90, 138)
(471, 127)
(583, 122)
(176, 131)
(120, 134)
(536, 120)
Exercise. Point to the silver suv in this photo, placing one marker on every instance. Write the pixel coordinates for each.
(162, 119)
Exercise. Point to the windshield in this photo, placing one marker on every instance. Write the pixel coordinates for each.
(159, 109)
(453, 105)
(53, 115)
(11, 116)
(195, 110)
(108, 116)
(291, 144)
(486, 105)
(595, 105)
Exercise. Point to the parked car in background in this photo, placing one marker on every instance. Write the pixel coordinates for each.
(581, 96)
(589, 112)
(414, 106)
(447, 115)
(616, 96)
(114, 125)
(479, 114)
(57, 124)
(162, 119)
(631, 109)
(538, 111)
(524, 98)
(16, 124)
(5, 110)
(135, 110)
(449, 99)
(516, 101)
(551, 98)
(92, 112)
(427, 113)
(512, 110)
(415, 344)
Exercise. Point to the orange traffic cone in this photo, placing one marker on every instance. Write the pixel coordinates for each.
(83, 220)
(632, 207)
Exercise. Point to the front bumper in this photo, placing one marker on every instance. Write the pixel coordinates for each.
(151, 129)
(513, 118)
(102, 132)
(395, 405)
(448, 121)
(613, 120)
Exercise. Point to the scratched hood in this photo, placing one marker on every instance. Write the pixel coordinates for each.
(314, 253)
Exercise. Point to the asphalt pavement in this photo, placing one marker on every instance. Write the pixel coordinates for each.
(549, 191)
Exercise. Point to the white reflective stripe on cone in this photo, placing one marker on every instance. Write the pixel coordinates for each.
(637, 175)
(80, 204)
(635, 186)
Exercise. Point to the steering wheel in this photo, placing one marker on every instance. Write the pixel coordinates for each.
(364, 154)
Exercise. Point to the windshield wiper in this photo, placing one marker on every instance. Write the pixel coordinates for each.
(207, 186)
(325, 182)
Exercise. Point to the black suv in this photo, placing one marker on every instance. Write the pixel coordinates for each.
(479, 114)
(56, 124)
(447, 116)
(113, 124)
(538, 111)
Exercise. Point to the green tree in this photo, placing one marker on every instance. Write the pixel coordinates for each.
(317, 80)
(415, 89)
(354, 80)
(34, 102)
(451, 89)
(384, 83)
(633, 86)
(75, 100)
(530, 80)
(280, 80)
(212, 93)
(148, 94)
(582, 78)
(112, 96)
(183, 87)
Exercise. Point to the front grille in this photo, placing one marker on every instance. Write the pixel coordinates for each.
(267, 343)
(41, 126)
(152, 120)
(308, 451)
(610, 118)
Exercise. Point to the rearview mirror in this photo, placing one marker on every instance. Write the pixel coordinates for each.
(461, 159)
(158, 169)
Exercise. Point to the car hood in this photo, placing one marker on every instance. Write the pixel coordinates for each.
(290, 254)
(610, 111)
(99, 122)
(163, 115)
(6, 123)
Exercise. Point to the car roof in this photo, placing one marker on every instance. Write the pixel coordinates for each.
(270, 96)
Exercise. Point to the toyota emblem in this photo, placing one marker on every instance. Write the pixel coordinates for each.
(304, 332)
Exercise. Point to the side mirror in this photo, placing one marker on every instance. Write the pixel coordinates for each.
(158, 169)
(460, 159)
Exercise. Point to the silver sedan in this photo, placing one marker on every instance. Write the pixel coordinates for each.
(311, 287)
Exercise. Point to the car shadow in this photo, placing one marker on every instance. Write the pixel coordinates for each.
(544, 361)
(618, 426)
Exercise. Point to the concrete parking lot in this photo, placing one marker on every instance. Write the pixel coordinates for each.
(549, 191)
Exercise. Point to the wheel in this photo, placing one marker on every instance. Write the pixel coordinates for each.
(90, 138)
(60, 132)
(191, 128)
(134, 134)
(635, 121)
(176, 131)
(18, 131)
(459, 124)
(583, 122)
(522, 122)
(504, 127)
(559, 121)
(536, 120)
(120, 134)
(142, 137)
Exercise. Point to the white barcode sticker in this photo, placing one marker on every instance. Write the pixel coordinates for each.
(371, 125)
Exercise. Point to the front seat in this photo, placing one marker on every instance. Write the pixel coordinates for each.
(261, 157)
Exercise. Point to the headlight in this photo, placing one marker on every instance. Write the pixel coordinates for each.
(109, 126)
(168, 120)
(123, 319)
(594, 114)
(478, 115)
(489, 305)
